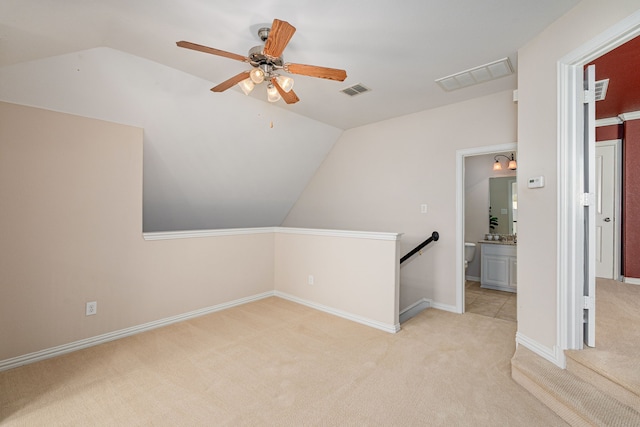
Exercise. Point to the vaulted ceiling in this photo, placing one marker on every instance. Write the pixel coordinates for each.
(219, 160)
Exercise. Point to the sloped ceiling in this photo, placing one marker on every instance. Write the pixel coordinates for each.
(221, 160)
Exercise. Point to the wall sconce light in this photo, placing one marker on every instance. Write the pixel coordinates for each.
(497, 166)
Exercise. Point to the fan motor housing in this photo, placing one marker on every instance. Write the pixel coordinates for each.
(257, 57)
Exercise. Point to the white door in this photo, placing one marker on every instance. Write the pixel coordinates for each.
(606, 220)
(589, 307)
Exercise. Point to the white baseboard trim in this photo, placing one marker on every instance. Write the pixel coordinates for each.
(444, 307)
(632, 280)
(414, 309)
(47, 353)
(554, 355)
(472, 278)
(345, 315)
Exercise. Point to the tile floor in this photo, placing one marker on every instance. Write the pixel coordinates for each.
(487, 302)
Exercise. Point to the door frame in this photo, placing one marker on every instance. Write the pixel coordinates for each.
(460, 194)
(617, 208)
(510, 192)
(570, 238)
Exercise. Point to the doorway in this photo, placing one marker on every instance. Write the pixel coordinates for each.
(461, 155)
(608, 192)
(571, 232)
(490, 282)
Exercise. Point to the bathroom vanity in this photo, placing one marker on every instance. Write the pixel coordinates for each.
(499, 265)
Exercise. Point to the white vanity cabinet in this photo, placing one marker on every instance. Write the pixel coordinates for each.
(499, 267)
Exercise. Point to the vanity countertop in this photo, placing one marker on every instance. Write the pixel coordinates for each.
(499, 242)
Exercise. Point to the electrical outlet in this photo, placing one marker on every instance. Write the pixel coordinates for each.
(310, 280)
(423, 208)
(92, 308)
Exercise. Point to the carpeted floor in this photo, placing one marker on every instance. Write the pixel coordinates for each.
(618, 317)
(277, 363)
(601, 385)
(617, 335)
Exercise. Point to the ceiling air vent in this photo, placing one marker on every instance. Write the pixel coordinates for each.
(483, 73)
(356, 89)
(601, 89)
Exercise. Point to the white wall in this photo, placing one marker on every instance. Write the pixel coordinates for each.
(211, 160)
(356, 275)
(71, 227)
(377, 176)
(537, 155)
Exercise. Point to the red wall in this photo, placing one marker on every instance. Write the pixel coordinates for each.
(608, 133)
(631, 200)
(620, 66)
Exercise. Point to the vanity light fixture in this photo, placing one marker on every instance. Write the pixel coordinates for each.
(497, 166)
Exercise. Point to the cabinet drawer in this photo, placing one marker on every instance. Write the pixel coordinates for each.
(496, 249)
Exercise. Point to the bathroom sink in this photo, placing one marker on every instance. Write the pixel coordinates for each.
(500, 242)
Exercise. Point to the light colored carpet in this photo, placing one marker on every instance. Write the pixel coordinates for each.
(274, 362)
(618, 317)
(601, 385)
(578, 401)
(615, 356)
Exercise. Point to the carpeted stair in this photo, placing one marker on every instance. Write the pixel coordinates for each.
(615, 374)
(601, 385)
(575, 398)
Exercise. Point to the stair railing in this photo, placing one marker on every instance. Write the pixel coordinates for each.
(434, 238)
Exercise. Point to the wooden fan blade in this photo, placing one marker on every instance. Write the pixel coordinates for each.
(213, 51)
(232, 81)
(314, 71)
(289, 97)
(279, 36)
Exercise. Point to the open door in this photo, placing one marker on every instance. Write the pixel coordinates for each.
(589, 308)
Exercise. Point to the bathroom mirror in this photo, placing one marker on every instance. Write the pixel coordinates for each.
(503, 205)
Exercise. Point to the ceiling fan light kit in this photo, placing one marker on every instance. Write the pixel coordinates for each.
(286, 83)
(267, 62)
(272, 94)
(257, 75)
(247, 86)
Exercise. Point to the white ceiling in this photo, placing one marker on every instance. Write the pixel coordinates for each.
(396, 48)
(225, 160)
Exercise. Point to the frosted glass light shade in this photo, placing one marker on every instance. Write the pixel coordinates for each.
(257, 75)
(286, 83)
(272, 94)
(513, 165)
(247, 86)
(497, 166)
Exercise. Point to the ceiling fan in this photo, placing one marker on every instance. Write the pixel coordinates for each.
(267, 63)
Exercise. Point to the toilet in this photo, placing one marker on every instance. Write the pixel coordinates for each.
(469, 253)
